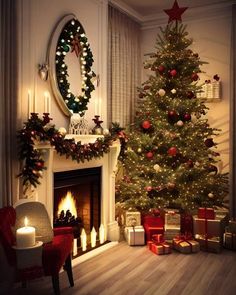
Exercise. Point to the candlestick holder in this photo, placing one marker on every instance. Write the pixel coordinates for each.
(98, 128)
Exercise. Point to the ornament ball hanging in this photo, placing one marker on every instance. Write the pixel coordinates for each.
(173, 73)
(161, 92)
(146, 124)
(172, 151)
(149, 155)
(209, 142)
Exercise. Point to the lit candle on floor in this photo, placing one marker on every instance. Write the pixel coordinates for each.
(83, 239)
(101, 234)
(93, 237)
(25, 236)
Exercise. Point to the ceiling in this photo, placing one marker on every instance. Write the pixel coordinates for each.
(150, 7)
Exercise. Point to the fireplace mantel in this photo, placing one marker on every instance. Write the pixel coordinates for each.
(57, 163)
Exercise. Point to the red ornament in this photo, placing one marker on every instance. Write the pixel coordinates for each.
(187, 117)
(149, 155)
(173, 116)
(194, 77)
(141, 95)
(209, 142)
(175, 12)
(161, 69)
(189, 164)
(216, 77)
(146, 87)
(172, 151)
(146, 125)
(39, 164)
(173, 73)
(148, 188)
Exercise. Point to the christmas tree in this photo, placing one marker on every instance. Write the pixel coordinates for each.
(171, 155)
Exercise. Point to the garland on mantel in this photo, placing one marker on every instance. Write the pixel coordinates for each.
(37, 130)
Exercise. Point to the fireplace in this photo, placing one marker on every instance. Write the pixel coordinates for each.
(77, 199)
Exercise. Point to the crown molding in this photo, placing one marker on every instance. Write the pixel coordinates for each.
(210, 11)
(195, 13)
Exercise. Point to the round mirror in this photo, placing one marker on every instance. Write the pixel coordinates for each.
(70, 62)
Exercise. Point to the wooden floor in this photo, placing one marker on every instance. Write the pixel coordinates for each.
(125, 270)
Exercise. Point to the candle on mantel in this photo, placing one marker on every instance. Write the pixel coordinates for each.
(83, 239)
(93, 237)
(29, 103)
(101, 234)
(25, 236)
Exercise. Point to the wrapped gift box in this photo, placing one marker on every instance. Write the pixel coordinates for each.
(210, 227)
(135, 235)
(232, 226)
(186, 223)
(132, 218)
(212, 244)
(170, 234)
(206, 213)
(152, 225)
(185, 245)
(230, 241)
(172, 220)
(158, 245)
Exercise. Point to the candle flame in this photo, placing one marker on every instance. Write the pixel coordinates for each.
(26, 221)
(67, 203)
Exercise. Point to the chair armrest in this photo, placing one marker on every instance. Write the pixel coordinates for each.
(63, 230)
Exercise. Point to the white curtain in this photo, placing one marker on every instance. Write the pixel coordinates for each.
(124, 67)
(8, 101)
(233, 117)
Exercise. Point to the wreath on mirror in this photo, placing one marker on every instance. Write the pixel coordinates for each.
(73, 39)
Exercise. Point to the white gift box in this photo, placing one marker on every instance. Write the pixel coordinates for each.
(134, 235)
(132, 218)
(172, 221)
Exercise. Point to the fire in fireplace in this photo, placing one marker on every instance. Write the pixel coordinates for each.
(77, 199)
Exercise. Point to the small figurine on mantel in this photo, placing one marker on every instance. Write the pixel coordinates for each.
(78, 125)
(98, 130)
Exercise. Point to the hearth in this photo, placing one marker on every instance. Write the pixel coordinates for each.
(77, 199)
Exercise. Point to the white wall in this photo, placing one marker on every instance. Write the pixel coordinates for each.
(37, 20)
(211, 32)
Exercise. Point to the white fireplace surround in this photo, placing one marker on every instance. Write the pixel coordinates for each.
(108, 163)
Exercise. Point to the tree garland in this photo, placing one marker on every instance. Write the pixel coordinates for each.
(41, 130)
(73, 39)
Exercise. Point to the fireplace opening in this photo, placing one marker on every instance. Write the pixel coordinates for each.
(77, 200)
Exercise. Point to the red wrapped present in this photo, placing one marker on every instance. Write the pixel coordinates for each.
(158, 245)
(186, 224)
(185, 244)
(206, 213)
(152, 225)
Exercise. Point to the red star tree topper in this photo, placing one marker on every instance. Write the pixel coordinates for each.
(175, 12)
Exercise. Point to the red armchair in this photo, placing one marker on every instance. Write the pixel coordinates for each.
(55, 253)
(152, 225)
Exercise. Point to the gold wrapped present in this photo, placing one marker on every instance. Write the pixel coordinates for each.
(172, 220)
(186, 245)
(210, 227)
(212, 244)
(132, 218)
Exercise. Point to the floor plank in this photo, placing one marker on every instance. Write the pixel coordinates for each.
(129, 270)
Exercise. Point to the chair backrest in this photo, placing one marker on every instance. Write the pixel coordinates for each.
(38, 217)
(7, 236)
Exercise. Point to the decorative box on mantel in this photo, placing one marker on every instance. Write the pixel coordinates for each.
(57, 163)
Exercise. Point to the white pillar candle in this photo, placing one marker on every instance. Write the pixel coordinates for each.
(83, 239)
(29, 103)
(93, 237)
(75, 250)
(101, 234)
(25, 236)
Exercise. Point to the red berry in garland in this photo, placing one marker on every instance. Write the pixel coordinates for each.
(190, 94)
(173, 73)
(146, 125)
(172, 151)
(39, 164)
(148, 188)
(209, 142)
(194, 77)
